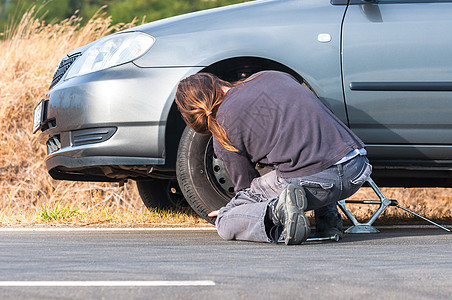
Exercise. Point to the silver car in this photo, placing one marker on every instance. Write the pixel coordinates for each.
(383, 67)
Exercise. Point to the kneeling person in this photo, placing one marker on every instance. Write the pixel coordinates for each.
(271, 119)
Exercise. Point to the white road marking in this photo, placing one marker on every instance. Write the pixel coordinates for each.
(111, 283)
(44, 229)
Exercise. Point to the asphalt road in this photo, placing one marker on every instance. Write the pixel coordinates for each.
(396, 263)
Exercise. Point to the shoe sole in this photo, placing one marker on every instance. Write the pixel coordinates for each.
(297, 226)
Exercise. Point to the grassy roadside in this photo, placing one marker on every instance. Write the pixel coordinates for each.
(102, 206)
(115, 206)
(73, 217)
(28, 196)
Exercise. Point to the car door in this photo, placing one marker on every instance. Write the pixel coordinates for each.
(397, 76)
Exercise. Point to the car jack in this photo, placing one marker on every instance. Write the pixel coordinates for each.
(384, 203)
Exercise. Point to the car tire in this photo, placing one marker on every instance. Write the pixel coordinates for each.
(202, 177)
(161, 194)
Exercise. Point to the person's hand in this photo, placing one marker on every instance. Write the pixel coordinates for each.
(213, 213)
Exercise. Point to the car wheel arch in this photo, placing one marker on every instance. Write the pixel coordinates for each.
(228, 69)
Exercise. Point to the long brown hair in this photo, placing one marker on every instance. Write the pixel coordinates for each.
(198, 98)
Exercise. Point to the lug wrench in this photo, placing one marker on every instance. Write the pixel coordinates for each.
(334, 237)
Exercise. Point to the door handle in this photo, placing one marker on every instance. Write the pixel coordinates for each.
(371, 11)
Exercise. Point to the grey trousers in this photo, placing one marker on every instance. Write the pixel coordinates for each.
(243, 217)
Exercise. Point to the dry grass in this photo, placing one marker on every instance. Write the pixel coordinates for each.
(28, 57)
(28, 195)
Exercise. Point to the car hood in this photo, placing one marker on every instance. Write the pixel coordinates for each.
(210, 19)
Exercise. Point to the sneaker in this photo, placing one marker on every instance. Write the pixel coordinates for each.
(328, 225)
(289, 211)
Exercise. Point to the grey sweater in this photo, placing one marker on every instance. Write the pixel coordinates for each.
(273, 120)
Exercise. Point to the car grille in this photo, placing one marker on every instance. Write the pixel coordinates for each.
(91, 135)
(63, 67)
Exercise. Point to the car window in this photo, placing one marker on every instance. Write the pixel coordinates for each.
(411, 1)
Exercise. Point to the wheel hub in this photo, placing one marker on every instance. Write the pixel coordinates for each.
(217, 172)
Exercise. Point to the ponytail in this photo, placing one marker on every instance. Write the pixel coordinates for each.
(198, 97)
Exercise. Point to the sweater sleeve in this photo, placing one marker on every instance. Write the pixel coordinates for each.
(240, 168)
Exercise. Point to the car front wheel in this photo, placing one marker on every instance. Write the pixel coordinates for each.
(202, 177)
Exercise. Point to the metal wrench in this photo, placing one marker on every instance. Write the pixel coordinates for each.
(334, 237)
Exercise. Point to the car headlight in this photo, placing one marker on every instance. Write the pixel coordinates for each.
(111, 51)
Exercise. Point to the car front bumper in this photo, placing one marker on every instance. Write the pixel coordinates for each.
(109, 125)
